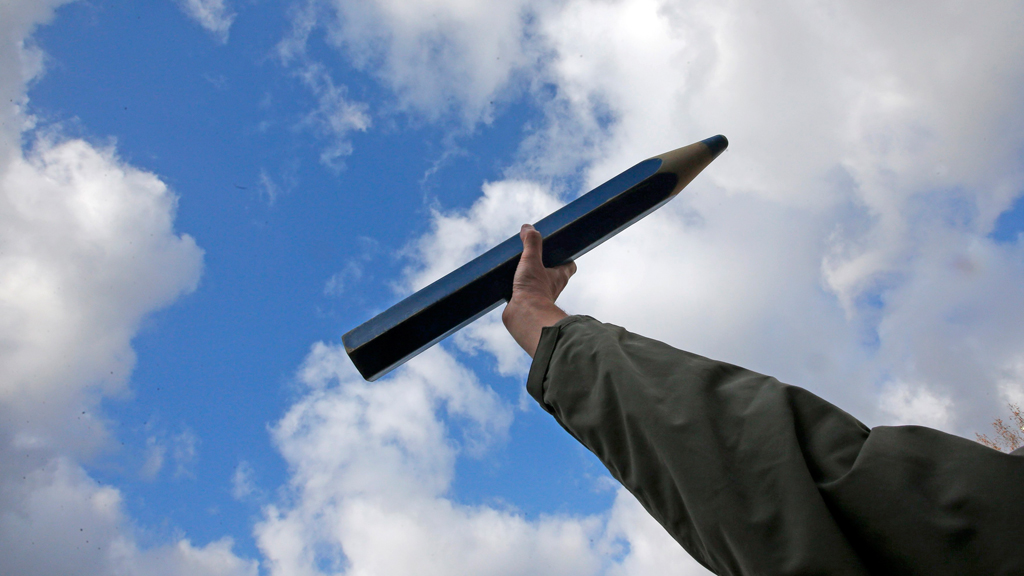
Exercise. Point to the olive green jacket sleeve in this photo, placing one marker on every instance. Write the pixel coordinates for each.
(752, 476)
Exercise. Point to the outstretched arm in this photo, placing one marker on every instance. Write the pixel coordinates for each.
(534, 291)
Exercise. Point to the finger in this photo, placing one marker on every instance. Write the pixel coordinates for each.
(569, 268)
(533, 244)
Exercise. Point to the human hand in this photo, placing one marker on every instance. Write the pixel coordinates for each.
(534, 291)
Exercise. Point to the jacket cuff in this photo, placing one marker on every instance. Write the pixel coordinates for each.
(549, 336)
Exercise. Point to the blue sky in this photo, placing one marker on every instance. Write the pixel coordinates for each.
(201, 196)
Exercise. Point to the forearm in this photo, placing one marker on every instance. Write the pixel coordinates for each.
(725, 459)
(525, 317)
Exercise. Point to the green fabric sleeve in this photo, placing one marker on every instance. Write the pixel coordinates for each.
(752, 476)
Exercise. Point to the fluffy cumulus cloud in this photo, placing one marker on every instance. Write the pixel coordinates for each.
(57, 520)
(843, 243)
(440, 58)
(87, 250)
(215, 16)
(372, 466)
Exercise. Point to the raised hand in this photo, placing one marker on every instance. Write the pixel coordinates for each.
(534, 291)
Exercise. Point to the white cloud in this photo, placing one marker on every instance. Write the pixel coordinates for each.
(335, 115)
(59, 521)
(20, 63)
(336, 284)
(242, 483)
(372, 467)
(87, 250)
(268, 188)
(1011, 385)
(154, 459)
(215, 16)
(439, 57)
(186, 448)
(915, 404)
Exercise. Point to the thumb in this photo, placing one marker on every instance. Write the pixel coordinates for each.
(533, 244)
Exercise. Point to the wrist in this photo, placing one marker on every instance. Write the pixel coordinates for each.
(526, 316)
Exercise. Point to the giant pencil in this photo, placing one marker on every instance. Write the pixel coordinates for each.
(401, 332)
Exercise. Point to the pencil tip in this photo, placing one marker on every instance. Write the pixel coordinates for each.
(716, 144)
